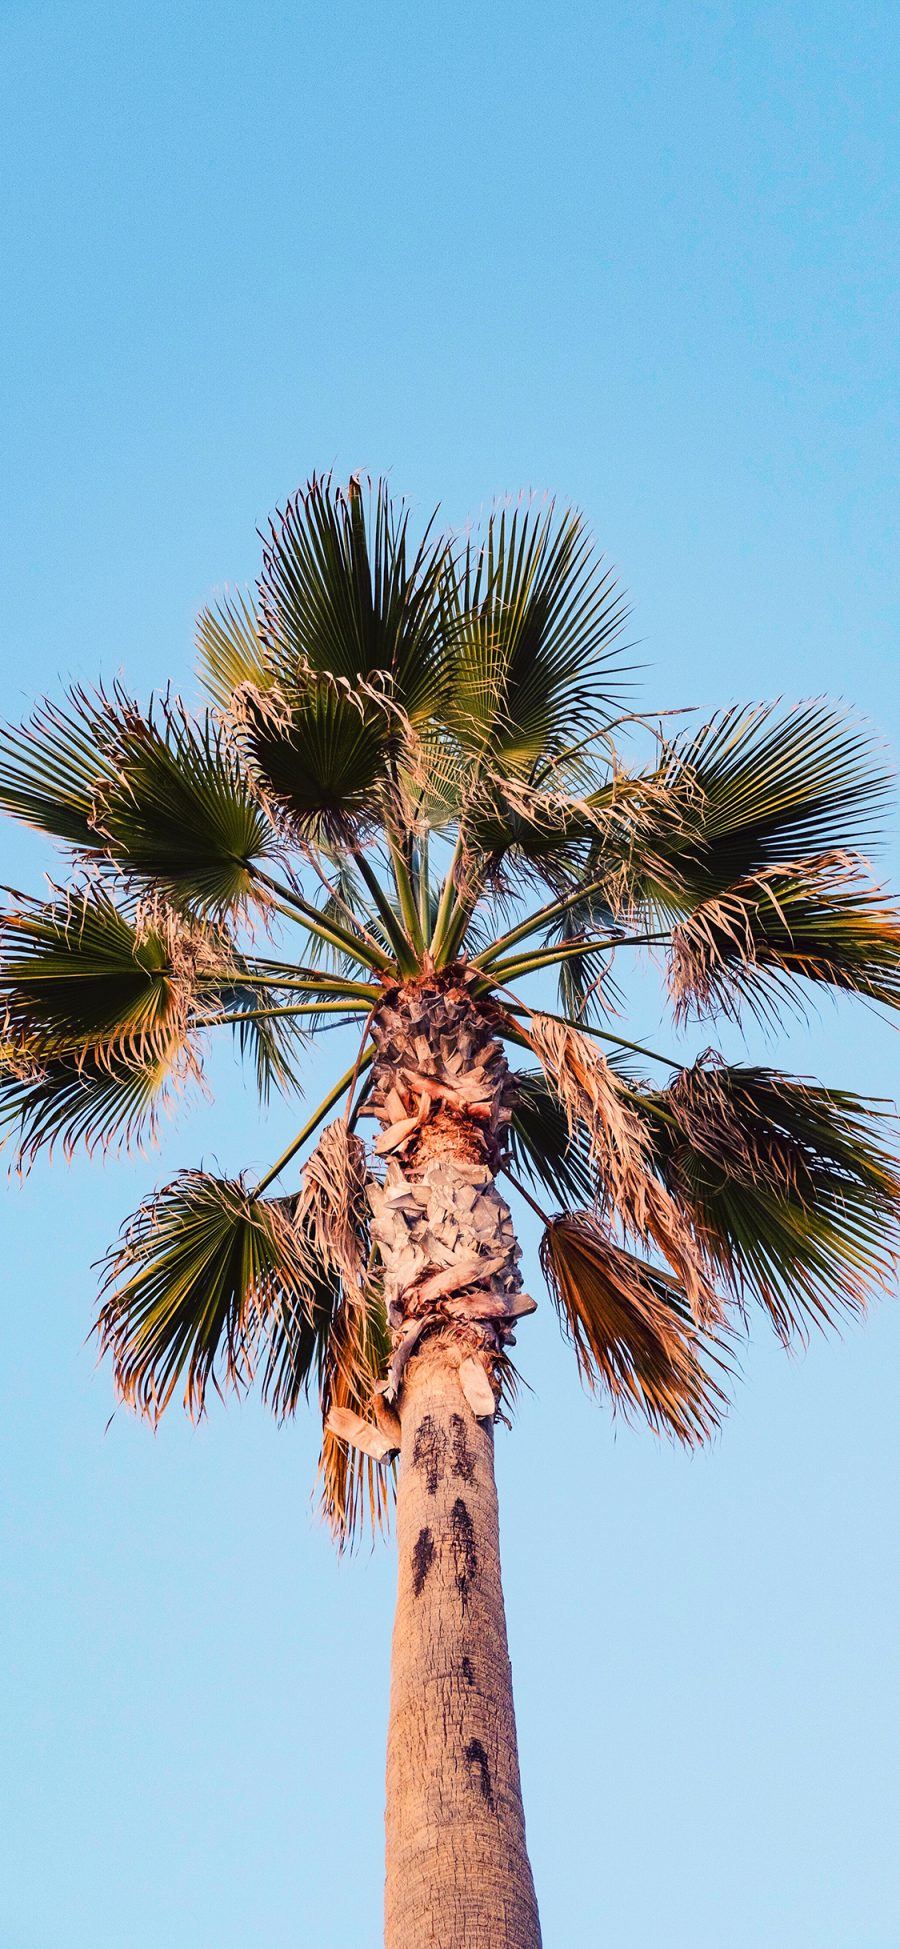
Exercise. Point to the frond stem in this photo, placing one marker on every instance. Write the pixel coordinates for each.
(529, 1200)
(446, 902)
(400, 942)
(304, 984)
(406, 894)
(366, 954)
(423, 888)
(294, 1008)
(540, 918)
(603, 1035)
(548, 957)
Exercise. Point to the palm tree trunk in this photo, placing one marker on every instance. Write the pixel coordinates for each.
(458, 1874)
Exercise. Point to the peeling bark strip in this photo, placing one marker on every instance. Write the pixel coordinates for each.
(458, 1874)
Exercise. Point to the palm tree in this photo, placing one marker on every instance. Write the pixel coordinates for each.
(406, 795)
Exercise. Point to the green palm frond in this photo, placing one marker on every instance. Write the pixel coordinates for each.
(80, 976)
(107, 1105)
(181, 812)
(273, 1042)
(52, 767)
(342, 594)
(541, 1147)
(231, 651)
(632, 1330)
(762, 787)
(97, 1020)
(321, 752)
(532, 619)
(202, 1279)
(817, 921)
(793, 1188)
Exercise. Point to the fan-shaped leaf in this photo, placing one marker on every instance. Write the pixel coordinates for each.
(813, 921)
(108, 1105)
(202, 1281)
(231, 650)
(531, 623)
(323, 754)
(341, 594)
(78, 976)
(793, 1188)
(181, 812)
(52, 767)
(761, 787)
(632, 1330)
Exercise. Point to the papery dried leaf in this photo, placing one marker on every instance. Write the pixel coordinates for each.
(333, 1204)
(355, 1487)
(595, 1100)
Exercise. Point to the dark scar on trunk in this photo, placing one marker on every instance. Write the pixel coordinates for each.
(462, 1546)
(463, 1463)
(467, 1672)
(476, 1756)
(422, 1560)
(428, 1452)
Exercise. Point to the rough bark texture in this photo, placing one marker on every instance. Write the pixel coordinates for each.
(445, 1234)
(458, 1875)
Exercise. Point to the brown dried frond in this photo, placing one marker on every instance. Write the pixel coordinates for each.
(730, 1133)
(333, 1205)
(632, 1330)
(717, 933)
(596, 1101)
(354, 1485)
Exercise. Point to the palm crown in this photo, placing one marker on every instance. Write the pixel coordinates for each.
(409, 781)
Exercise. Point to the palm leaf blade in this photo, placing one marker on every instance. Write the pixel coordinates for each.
(793, 1188)
(203, 1276)
(631, 1328)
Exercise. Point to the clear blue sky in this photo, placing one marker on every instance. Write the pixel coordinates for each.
(646, 256)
